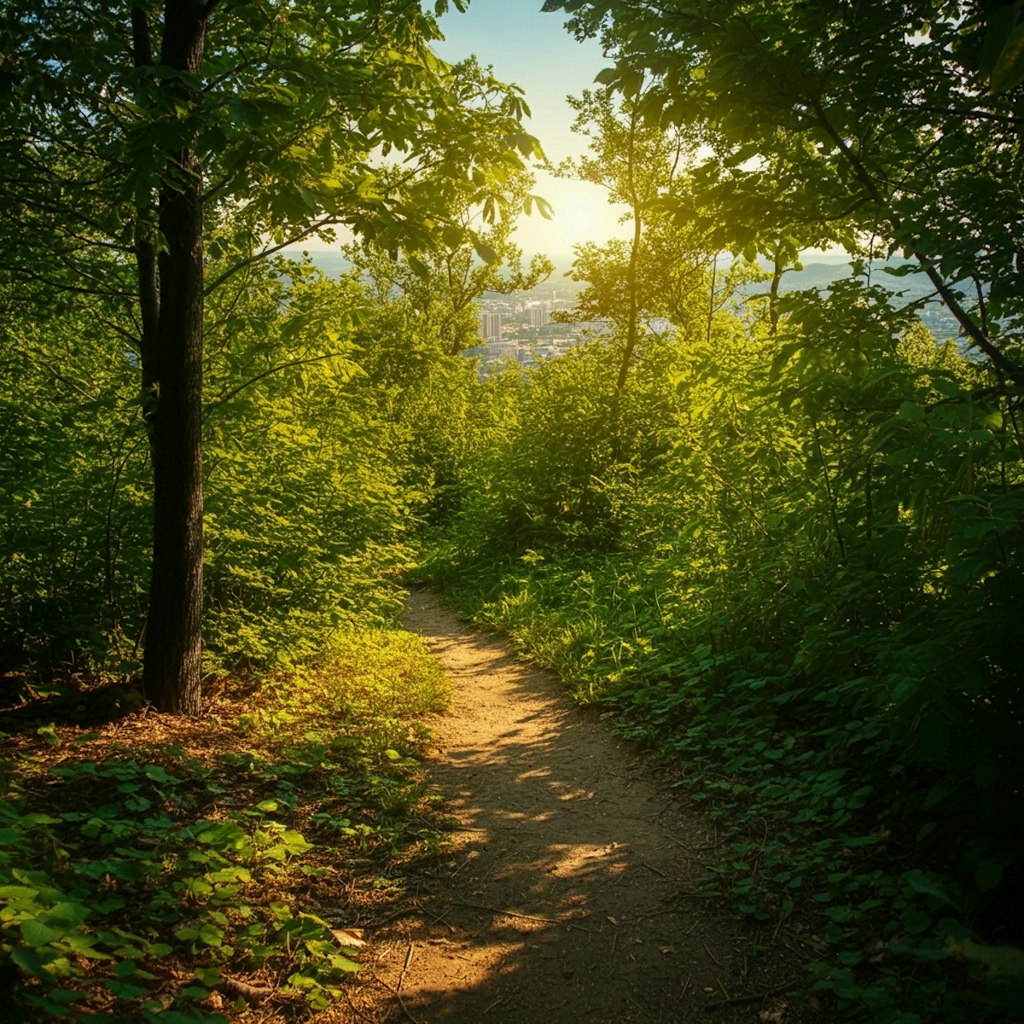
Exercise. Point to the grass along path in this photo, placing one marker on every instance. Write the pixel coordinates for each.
(570, 892)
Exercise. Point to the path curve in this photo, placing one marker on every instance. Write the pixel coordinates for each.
(570, 891)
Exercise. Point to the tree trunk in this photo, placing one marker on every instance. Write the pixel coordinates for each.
(773, 295)
(173, 638)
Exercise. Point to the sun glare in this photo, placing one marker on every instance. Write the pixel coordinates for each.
(582, 214)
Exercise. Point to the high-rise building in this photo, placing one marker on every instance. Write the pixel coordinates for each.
(539, 316)
(490, 325)
(502, 350)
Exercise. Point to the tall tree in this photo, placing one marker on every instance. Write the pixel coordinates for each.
(638, 164)
(130, 130)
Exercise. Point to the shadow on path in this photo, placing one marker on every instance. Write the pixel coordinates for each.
(570, 892)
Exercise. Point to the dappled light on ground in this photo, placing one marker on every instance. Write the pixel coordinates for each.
(571, 891)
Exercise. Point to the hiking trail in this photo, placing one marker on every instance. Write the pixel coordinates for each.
(570, 891)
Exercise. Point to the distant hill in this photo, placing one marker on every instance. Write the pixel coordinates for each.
(333, 264)
(822, 274)
(825, 270)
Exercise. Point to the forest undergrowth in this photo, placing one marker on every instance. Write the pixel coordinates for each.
(186, 870)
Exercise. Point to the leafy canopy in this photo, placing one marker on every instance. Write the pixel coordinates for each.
(879, 126)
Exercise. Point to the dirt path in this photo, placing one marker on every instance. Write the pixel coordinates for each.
(570, 892)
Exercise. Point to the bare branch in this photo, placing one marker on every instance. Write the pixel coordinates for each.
(234, 392)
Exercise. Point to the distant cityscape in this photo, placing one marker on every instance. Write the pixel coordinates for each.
(518, 328)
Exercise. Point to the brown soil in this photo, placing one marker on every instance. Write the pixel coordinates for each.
(570, 893)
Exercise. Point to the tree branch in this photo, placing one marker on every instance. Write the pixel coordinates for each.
(234, 392)
(264, 253)
(971, 329)
(20, 271)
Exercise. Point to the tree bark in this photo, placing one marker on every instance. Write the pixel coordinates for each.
(173, 649)
(773, 295)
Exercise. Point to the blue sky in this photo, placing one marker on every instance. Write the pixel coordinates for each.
(533, 50)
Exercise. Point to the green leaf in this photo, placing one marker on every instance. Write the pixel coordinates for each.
(484, 251)
(18, 892)
(158, 774)
(544, 208)
(67, 912)
(37, 934)
(989, 873)
(916, 922)
(1009, 69)
(225, 835)
(911, 412)
(49, 734)
(947, 387)
(84, 945)
(30, 961)
(920, 882)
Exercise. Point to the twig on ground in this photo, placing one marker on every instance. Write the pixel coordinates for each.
(469, 856)
(398, 996)
(413, 908)
(707, 949)
(405, 966)
(651, 867)
(440, 919)
(248, 992)
(640, 1008)
(571, 921)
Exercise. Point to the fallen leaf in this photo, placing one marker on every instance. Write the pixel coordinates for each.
(351, 938)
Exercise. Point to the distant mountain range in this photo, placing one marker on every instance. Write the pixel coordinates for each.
(825, 268)
(822, 274)
(333, 264)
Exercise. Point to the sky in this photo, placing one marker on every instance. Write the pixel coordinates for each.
(533, 50)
